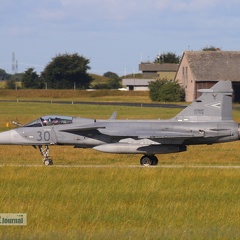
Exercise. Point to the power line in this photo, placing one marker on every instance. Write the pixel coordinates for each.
(14, 64)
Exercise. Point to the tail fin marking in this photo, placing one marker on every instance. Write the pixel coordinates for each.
(215, 104)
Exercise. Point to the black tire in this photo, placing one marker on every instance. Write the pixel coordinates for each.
(48, 162)
(146, 161)
(154, 160)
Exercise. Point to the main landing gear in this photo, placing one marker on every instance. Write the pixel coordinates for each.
(45, 152)
(148, 160)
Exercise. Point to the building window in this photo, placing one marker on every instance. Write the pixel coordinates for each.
(186, 75)
(183, 77)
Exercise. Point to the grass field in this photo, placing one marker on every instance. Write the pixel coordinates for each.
(141, 203)
(109, 200)
(76, 95)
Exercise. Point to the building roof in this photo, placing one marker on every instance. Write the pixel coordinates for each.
(158, 67)
(214, 65)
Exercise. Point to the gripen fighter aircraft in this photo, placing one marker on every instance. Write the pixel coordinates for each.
(207, 120)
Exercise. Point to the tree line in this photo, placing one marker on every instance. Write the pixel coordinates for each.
(65, 71)
(68, 71)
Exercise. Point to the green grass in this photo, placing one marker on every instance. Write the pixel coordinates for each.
(77, 95)
(111, 200)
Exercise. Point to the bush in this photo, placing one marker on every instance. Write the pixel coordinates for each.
(10, 84)
(164, 90)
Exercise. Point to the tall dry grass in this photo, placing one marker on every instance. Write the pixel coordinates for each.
(122, 203)
(106, 202)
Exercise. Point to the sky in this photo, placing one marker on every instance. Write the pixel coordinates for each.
(115, 35)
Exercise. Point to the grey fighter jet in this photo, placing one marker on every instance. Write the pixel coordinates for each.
(207, 120)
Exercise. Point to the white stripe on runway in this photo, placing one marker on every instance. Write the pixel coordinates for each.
(124, 166)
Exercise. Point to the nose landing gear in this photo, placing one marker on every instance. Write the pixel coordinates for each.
(45, 153)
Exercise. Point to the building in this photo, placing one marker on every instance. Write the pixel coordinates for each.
(150, 72)
(202, 69)
(158, 70)
(137, 84)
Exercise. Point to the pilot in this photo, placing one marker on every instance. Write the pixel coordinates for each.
(50, 121)
(44, 121)
(56, 121)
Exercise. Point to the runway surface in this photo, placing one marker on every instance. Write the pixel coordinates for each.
(126, 166)
(129, 104)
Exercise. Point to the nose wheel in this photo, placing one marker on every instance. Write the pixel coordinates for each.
(45, 153)
(48, 162)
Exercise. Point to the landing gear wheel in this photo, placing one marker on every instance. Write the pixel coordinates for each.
(154, 160)
(48, 162)
(146, 161)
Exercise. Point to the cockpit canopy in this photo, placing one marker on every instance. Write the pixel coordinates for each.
(49, 121)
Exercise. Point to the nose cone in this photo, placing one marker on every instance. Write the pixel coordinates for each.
(5, 137)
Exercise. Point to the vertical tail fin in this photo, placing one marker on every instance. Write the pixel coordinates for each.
(215, 104)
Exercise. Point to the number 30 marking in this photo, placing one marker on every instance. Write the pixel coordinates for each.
(43, 136)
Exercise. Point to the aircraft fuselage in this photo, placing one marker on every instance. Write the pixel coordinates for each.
(161, 131)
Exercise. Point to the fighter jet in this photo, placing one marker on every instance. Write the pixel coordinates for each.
(208, 120)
